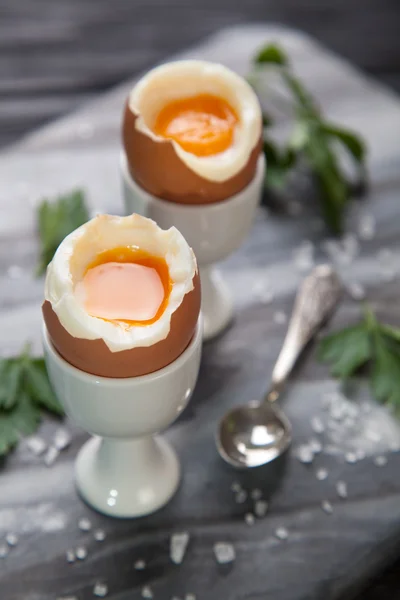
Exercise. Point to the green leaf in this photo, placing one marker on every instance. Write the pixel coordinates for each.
(271, 54)
(353, 142)
(56, 220)
(346, 351)
(39, 387)
(279, 164)
(10, 380)
(385, 375)
(334, 191)
(23, 419)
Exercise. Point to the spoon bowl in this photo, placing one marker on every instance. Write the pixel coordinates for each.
(253, 435)
(257, 433)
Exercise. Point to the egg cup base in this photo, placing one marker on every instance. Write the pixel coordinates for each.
(127, 479)
(214, 231)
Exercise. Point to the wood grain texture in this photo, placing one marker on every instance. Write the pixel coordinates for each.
(54, 55)
(325, 557)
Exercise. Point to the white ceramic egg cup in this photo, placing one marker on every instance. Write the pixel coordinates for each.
(214, 231)
(127, 471)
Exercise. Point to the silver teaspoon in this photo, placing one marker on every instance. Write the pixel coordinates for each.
(257, 433)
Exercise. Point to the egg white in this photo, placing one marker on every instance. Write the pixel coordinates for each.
(183, 79)
(106, 232)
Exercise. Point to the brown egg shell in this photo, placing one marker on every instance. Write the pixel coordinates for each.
(93, 356)
(156, 167)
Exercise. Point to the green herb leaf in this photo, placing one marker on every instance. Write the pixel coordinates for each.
(371, 343)
(279, 164)
(24, 390)
(56, 220)
(346, 351)
(353, 143)
(385, 373)
(23, 419)
(313, 139)
(334, 191)
(39, 386)
(10, 381)
(271, 54)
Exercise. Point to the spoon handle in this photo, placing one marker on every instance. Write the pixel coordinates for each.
(315, 302)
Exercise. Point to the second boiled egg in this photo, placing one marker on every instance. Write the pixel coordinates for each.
(192, 132)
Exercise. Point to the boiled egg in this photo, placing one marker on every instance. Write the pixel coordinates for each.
(122, 296)
(192, 132)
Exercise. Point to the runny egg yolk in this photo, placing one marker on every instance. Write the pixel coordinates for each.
(126, 284)
(202, 125)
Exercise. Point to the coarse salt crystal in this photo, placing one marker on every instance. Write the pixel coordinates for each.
(327, 507)
(224, 553)
(281, 533)
(341, 488)
(178, 545)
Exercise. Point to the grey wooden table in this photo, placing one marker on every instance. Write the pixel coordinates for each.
(325, 556)
(55, 55)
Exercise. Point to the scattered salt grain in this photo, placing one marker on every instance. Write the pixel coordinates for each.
(249, 519)
(99, 535)
(317, 425)
(351, 457)
(178, 545)
(36, 445)
(224, 553)
(281, 533)
(373, 436)
(366, 227)
(11, 539)
(3, 551)
(190, 597)
(380, 461)
(51, 456)
(62, 439)
(256, 494)
(260, 508)
(139, 565)
(84, 524)
(147, 592)
(100, 590)
(360, 454)
(315, 445)
(236, 487)
(67, 598)
(304, 454)
(341, 488)
(321, 474)
(356, 290)
(70, 556)
(327, 507)
(241, 497)
(280, 317)
(81, 553)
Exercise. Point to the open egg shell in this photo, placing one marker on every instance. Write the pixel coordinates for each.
(117, 348)
(161, 165)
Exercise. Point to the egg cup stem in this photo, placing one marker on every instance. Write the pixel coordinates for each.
(127, 478)
(216, 302)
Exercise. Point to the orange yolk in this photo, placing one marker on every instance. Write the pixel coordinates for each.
(126, 284)
(203, 125)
